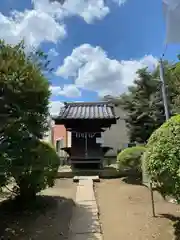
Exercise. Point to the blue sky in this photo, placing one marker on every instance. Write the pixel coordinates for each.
(108, 46)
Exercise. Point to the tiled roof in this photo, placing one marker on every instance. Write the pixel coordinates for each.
(87, 110)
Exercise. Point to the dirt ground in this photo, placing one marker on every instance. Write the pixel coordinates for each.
(50, 220)
(126, 213)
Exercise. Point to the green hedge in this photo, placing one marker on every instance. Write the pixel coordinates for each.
(130, 158)
(162, 158)
(38, 172)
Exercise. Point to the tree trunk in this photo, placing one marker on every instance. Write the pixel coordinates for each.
(26, 192)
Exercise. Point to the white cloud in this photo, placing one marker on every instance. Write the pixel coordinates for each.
(55, 90)
(52, 8)
(55, 107)
(89, 10)
(119, 2)
(44, 22)
(93, 70)
(69, 90)
(34, 26)
(52, 52)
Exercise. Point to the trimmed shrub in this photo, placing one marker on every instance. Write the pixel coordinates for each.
(38, 171)
(130, 158)
(162, 158)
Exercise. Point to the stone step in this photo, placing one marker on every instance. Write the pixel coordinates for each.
(93, 178)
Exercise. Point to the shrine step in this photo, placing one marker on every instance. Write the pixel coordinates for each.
(93, 178)
(86, 172)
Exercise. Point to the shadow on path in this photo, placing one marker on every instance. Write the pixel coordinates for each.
(176, 224)
(46, 218)
(85, 223)
(133, 179)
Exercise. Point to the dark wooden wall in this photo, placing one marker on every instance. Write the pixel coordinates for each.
(79, 145)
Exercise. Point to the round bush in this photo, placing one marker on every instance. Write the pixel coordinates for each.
(162, 158)
(130, 158)
(38, 172)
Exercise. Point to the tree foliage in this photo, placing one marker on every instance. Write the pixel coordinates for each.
(136, 105)
(24, 109)
(143, 102)
(174, 87)
(24, 91)
(162, 158)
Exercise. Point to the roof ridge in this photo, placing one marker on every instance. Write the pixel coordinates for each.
(87, 103)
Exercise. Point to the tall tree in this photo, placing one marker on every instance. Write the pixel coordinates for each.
(138, 107)
(24, 110)
(144, 103)
(174, 86)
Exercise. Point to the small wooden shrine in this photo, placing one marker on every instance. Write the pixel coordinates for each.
(86, 121)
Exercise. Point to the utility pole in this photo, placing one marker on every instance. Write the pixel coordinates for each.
(166, 110)
(86, 144)
(163, 87)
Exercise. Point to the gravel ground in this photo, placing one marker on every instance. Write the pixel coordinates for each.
(126, 213)
(49, 220)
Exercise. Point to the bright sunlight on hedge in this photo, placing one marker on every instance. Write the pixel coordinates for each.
(162, 158)
(130, 158)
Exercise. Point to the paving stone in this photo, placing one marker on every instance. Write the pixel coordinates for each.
(85, 211)
(89, 205)
(87, 188)
(85, 222)
(86, 236)
(84, 195)
(85, 184)
(81, 200)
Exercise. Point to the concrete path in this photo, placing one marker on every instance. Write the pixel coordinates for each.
(85, 222)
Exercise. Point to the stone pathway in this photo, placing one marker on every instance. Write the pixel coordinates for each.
(85, 222)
